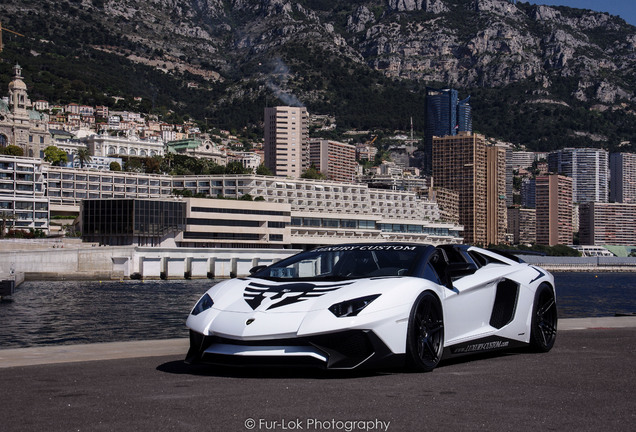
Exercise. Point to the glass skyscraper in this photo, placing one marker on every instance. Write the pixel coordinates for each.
(445, 115)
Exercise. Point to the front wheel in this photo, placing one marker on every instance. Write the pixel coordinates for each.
(544, 319)
(425, 335)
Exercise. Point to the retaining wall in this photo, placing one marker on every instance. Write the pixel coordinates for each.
(137, 262)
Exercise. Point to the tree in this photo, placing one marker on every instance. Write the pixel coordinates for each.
(235, 168)
(263, 170)
(313, 173)
(55, 156)
(12, 150)
(114, 166)
(5, 216)
(153, 165)
(83, 156)
(133, 164)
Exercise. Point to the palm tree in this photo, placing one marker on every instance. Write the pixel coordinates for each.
(83, 156)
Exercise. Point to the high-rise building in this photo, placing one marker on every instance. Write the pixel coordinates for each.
(286, 140)
(496, 205)
(459, 164)
(336, 160)
(554, 209)
(589, 170)
(445, 115)
(522, 224)
(607, 224)
(528, 193)
(623, 178)
(509, 177)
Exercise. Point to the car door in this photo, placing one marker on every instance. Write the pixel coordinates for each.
(469, 302)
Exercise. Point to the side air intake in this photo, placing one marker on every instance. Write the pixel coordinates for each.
(505, 303)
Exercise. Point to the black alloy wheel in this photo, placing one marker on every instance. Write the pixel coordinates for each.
(544, 319)
(425, 336)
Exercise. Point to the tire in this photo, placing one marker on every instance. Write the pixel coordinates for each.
(544, 319)
(425, 334)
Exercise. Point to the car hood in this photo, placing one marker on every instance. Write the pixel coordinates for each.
(260, 295)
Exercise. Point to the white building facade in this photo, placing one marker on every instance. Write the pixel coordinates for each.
(322, 211)
(23, 204)
(113, 146)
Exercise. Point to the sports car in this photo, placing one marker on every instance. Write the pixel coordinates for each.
(375, 305)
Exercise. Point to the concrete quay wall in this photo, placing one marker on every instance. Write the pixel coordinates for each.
(130, 262)
(582, 264)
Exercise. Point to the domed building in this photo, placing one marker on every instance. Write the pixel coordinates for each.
(19, 125)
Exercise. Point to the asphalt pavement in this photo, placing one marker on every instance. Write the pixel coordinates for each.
(585, 383)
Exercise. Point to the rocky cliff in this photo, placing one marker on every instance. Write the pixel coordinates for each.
(549, 56)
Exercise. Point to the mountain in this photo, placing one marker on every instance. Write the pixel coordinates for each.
(541, 76)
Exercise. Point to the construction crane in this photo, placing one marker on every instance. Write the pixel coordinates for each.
(6, 30)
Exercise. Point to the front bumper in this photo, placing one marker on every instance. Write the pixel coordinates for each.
(348, 349)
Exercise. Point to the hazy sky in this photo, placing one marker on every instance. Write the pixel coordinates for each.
(626, 9)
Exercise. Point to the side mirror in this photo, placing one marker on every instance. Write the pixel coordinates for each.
(257, 269)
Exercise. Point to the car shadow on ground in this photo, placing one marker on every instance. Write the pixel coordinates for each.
(271, 372)
(180, 367)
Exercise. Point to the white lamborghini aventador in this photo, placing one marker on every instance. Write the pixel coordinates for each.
(354, 305)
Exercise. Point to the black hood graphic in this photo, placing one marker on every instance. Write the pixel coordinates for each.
(256, 294)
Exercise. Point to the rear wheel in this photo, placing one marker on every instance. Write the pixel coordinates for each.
(425, 335)
(544, 319)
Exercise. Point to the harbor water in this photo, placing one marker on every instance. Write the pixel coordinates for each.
(75, 312)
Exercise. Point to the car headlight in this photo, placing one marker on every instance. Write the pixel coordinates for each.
(352, 307)
(203, 304)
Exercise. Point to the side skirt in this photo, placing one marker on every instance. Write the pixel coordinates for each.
(483, 345)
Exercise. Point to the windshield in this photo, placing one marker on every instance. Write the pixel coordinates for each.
(347, 262)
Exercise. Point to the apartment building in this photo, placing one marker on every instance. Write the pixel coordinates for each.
(23, 204)
(459, 164)
(589, 170)
(496, 203)
(286, 143)
(521, 159)
(366, 151)
(607, 224)
(554, 210)
(336, 160)
(623, 178)
(522, 224)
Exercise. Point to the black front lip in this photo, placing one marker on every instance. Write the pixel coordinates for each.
(348, 349)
